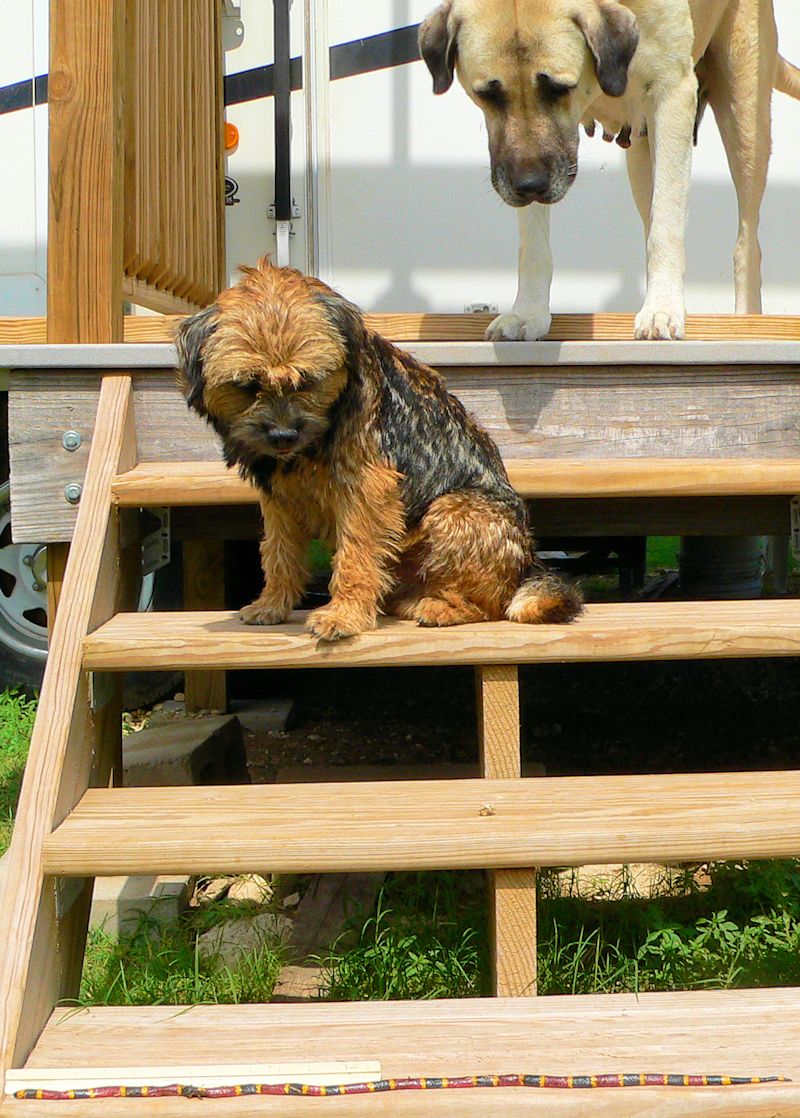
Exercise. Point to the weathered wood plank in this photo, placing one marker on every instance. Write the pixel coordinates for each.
(85, 226)
(604, 631)
(753, 1032)
(460, 327)
(567, 414)
(212, 483)
(426, 825)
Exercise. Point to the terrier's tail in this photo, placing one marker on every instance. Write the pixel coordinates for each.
(787, 78)
(544, 598)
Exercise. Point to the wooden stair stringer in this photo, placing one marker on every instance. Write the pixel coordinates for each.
(41, 962)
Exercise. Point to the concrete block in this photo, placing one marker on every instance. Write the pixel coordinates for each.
(119, 903)
(263, 715)
(229, 942)
(186, 751)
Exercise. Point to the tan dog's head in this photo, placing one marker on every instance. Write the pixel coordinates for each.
(533, 67)
(268, 361)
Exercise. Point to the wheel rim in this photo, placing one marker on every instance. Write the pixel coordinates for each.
(23, 589)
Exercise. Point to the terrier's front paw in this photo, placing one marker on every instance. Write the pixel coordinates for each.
(661, 318)
(335, 622)
(260, 612)
(527, 327)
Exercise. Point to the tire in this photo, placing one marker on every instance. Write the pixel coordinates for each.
(23, 614)
(23, 606)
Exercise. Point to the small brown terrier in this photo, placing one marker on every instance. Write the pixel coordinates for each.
(352, 441)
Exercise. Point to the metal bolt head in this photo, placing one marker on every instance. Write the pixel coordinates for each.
(71, 440)
(73, 492)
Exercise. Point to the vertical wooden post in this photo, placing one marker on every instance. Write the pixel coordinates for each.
(85, 225)
(56, 564)
(204, 589)
(512, 893)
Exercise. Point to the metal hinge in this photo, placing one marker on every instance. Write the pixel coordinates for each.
(794, 510)
(156, 544)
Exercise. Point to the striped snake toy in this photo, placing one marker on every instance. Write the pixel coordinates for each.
(377, 1086)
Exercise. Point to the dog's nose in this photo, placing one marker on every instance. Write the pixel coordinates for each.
(282, 438)
(531, 183)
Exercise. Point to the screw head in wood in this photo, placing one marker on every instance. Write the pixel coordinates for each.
(71, 440)
(73, 492)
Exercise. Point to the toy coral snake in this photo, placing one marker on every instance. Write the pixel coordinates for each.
(376, 1086)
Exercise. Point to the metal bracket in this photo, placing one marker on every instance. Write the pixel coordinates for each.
(156, 544)
(295, 210)
(480, 308)
(794, 511)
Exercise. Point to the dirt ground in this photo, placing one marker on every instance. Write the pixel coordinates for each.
(719, 715)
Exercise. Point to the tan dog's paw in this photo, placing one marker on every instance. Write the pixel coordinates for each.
(514, 327)
(335, 622)
(661, 319)
(260, 612)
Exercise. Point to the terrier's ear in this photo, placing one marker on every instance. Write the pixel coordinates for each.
(438, 45)
(348, 321)
(612, 36)
(190, 339)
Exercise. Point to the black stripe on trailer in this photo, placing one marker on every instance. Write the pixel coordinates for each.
(347, 60)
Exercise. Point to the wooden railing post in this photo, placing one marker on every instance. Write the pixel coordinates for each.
(85, 224)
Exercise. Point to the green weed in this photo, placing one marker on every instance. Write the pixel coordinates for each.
(156, 965)
(17, 714)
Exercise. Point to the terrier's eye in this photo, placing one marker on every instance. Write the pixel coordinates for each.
(553, 89)
(492, 93)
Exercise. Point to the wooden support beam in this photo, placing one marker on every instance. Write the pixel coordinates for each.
(85, 226)
(57, 554)
(512, 893)
(204, 588)
(70, 743)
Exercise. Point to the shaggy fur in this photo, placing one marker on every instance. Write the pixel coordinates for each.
(351, 441)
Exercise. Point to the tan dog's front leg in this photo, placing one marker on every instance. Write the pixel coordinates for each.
(370, 525)
(283, 561)
(670, 129)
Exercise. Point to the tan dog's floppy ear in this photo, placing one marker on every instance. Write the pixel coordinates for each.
(437, 45)
(612, 35)
(191, 337)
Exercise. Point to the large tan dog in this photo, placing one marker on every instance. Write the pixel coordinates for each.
(537, 68)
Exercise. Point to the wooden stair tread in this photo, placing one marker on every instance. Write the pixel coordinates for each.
(604, 632)
(428, 326)
(741, 1032)
(437, 824)
(212, 483)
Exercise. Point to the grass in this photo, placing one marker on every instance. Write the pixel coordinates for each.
(427, 938)
(161, 965)
(16, 725)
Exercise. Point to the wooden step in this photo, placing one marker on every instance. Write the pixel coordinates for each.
(459, 327)
(212, 483)
(736, 1032)
(604, 632)
(436, 824)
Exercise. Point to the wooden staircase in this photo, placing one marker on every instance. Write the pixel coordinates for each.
(74, 822)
